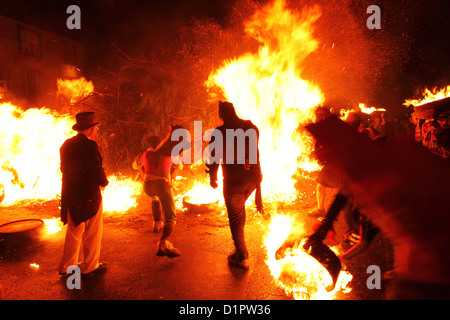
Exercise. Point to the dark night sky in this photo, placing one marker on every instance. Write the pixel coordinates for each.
(138, 27)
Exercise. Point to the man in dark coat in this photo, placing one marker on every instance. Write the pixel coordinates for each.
(81, 198)
(239, 157)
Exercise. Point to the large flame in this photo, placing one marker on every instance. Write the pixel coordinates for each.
(369, 110)
(298, 273)
(30, 161)
(75, 89)
(29, 156)
(266, 87)
(121, 194)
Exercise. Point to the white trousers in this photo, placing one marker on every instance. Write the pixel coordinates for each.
(86, 239)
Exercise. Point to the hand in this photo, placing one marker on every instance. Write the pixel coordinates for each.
(261, 211)
(213, 184)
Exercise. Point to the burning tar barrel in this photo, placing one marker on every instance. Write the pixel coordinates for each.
(22, 232)
(432, 109)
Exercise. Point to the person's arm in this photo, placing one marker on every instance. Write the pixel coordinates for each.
(94, 165)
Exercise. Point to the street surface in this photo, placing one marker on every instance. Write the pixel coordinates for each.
(134, 272)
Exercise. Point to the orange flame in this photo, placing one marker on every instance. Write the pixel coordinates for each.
(266, 88)
(429, 96)
(120, 195)
(369, 110)
(299, 273)
(30, 163)
(75, 89)
(29, 157)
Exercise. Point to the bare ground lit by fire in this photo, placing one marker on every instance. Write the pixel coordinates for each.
(205, 229)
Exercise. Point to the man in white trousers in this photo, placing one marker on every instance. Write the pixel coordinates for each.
(83, 177)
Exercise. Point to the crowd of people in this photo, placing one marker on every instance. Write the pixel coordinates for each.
(83, 177)
(394, 179)
(384, 181)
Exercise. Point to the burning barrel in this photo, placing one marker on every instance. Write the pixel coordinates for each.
(22, 232)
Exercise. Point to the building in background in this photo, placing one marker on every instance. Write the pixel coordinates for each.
(31, 61)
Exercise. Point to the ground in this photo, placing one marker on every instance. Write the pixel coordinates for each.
(135, 272)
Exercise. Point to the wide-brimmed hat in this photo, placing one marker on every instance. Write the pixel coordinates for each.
(85, 120)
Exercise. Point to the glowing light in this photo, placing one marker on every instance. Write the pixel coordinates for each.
(121, 194)
(53, 225)
(369, 110)
(30, 160)
(266, 88)
(299, 273)
(29, 156)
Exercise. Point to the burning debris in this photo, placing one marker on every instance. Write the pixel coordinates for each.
(76, 89)
(22, 138)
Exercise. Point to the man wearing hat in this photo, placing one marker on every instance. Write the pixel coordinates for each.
(81, 198)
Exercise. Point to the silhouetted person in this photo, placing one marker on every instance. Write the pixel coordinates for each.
(81, 199)
(403, 189)
(241, 173)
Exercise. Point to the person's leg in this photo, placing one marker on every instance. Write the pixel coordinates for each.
(157, 215)
(168, 207)
(150, 190)
(72, 245)
(235, 203)
(92, 238)
(167, 231)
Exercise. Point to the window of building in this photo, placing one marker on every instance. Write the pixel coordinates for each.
(29, 41)
(30, 82)
(70, 53)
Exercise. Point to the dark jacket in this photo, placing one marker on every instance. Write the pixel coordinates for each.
(233, 170)
(82, 177)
